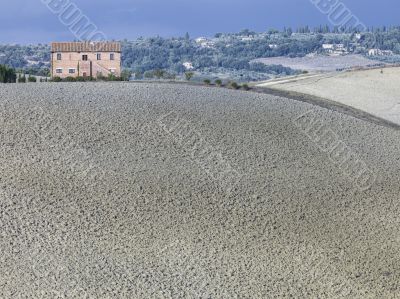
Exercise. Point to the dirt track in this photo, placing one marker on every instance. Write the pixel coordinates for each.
(171, 191)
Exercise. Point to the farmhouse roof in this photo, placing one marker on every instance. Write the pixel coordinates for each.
(86, 47)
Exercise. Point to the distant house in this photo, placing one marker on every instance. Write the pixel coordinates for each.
(379, 52)
(86, 59)
(327, 46)
(335, 49)
(205, 42)
(247, 38)
(188, 66)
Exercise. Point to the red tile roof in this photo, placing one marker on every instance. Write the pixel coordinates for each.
(86, 47)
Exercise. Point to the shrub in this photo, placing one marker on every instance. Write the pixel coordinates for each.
(218, 82)
(126, 75)
(207, 82)
(100, 77)
(234, 85)
(169, 76)
(80, 79)
(56, 79)
(112, 77)
(138, 76)
(149, 75)
(32, 79)
(159, 73)
(189, 76)
(245, 87)
(70, 79)
(21, 79)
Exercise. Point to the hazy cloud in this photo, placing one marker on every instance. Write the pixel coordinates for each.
(29, 20)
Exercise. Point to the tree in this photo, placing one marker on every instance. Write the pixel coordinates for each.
(149, 75)
(218, 82)
(189, 76)
(7, 75)
(21, 79)
(126, 75)
(159, 73)
(138, 75)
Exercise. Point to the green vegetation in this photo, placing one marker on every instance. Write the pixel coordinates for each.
(7, 75)
(126, 75)
(207, 81)
(159, 74)
(110, 77)
(234, 85)
(32, 79)
(21, 79)
(218, 82)
(245, 87)
(70, 79)
(230, 54)
(138, 76)
(189, 75)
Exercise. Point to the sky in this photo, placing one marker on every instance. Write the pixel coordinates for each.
(31, 21)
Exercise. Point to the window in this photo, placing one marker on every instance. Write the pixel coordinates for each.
(58, 56)
(84, 57)
(98, 56)
(59, 71)
(72, 71)
(112, 56)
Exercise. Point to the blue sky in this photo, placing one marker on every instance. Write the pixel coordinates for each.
(30, 21)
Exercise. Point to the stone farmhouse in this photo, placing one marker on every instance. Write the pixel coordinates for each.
(85, 59)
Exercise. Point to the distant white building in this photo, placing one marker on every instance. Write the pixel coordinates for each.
(205, 42)
(379, 52)
(247, 38)
(335, 49)
(200, 40)
(327, 46)
(188, 66)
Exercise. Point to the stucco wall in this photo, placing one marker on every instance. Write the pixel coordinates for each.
(71, 60)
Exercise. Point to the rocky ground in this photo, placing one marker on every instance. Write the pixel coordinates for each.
(121, 190)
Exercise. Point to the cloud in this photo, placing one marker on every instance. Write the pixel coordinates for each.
(30, 19)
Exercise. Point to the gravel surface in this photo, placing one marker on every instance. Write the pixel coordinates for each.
(121, 190)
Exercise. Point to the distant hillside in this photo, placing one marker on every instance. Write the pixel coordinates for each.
(230, 54)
